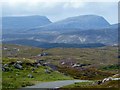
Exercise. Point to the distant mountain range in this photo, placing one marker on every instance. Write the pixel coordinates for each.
(52, 45)
(85, 29)
(84, 22)
(21, 23)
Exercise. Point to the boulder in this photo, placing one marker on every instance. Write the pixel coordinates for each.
(5, 48)
(5, 65)
(62, 63)
(30, 76)
(19, 62)
(33, 69)
(38, 64)
(47, 71)
(116, 75)
(76, 65)
(5, 69)
(18, 66)
(107, 79)
(99, 82)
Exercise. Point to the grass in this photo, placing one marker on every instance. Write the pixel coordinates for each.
(21, 79)
(110, 84)
(78, 85)
(86, 74)
(111, 67)
(99, 58)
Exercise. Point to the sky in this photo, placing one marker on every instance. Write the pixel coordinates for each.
(60, 9)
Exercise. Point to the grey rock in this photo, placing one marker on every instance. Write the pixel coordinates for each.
(18, 66)
(47, 71)
(30, 76)
(19, 62)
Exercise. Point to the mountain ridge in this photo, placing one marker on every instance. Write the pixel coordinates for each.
(84, 22)
(16, 23)
(67, 31)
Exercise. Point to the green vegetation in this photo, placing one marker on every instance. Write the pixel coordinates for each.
(97, 56)
(86, 74)
(99, 60)
(111, 67)
(21, 79)
(110, 84)
(79, 85)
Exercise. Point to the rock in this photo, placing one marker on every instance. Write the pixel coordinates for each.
(30, 76)
(44, 64)
(99, 82)
(76, 65)
(16, 74)
(53, 67)
(18, 50)
(47, 71)
(11, 63)
(43, 54)
(5, 69)
(39, 55)
(104, 80)
(62, 63)
(19, 62)
(33, 69)
(38, 64)
(5, 65)
(39, 61)
(116, 75)
(18, 66)
(107, 79)
(5, 48)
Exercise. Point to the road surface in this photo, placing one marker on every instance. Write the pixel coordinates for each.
(56, 84)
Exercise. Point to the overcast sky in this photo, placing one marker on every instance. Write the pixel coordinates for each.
(56, 10)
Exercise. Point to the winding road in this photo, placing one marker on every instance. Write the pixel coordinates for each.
(56, 84)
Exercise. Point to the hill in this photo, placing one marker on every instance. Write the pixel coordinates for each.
(18, 23)
(85, 29)
(52, 45)
(83, 22)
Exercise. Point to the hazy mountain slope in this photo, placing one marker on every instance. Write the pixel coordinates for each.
(83, 22)
(74, 30)
(106, 36)
(52, 45)
(18, 23)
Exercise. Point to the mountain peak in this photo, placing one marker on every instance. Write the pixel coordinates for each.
(90, 19)
(83, 22)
